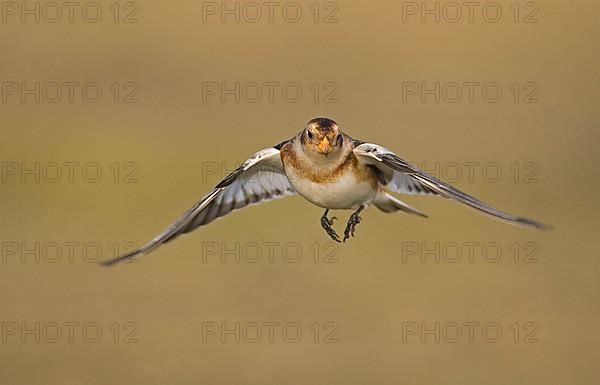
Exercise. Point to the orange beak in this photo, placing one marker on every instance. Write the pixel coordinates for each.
(324, 146)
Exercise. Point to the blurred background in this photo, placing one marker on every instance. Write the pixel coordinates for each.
(116, 117)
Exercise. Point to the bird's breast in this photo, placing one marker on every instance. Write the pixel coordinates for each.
(343, 187)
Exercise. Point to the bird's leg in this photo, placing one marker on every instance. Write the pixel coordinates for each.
(352, 222)
(327, 223)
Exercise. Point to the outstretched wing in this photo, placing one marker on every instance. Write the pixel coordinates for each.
(401, 176)
(259, 179)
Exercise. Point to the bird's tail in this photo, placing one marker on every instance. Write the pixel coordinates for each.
(390, 204)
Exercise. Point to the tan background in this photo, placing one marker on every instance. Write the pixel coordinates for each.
(370, 292)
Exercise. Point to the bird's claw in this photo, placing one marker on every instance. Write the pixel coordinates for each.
(351, 225)
(327, 223)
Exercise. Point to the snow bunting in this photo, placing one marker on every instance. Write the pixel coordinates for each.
(329, 169)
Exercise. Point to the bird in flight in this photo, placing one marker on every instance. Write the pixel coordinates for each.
(329, 169)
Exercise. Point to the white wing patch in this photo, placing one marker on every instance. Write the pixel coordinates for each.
(397, 181)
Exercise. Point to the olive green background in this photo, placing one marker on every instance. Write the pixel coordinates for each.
(171, 135)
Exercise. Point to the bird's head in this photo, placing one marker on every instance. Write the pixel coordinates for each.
(322, 136)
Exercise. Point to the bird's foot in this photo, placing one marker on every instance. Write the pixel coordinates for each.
(327, 223)
(351, 225)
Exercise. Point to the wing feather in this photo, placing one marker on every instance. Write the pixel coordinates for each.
(259, 179)
(403, 177)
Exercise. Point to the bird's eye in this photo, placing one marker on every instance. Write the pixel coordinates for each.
(340, 139)
(310, 134)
